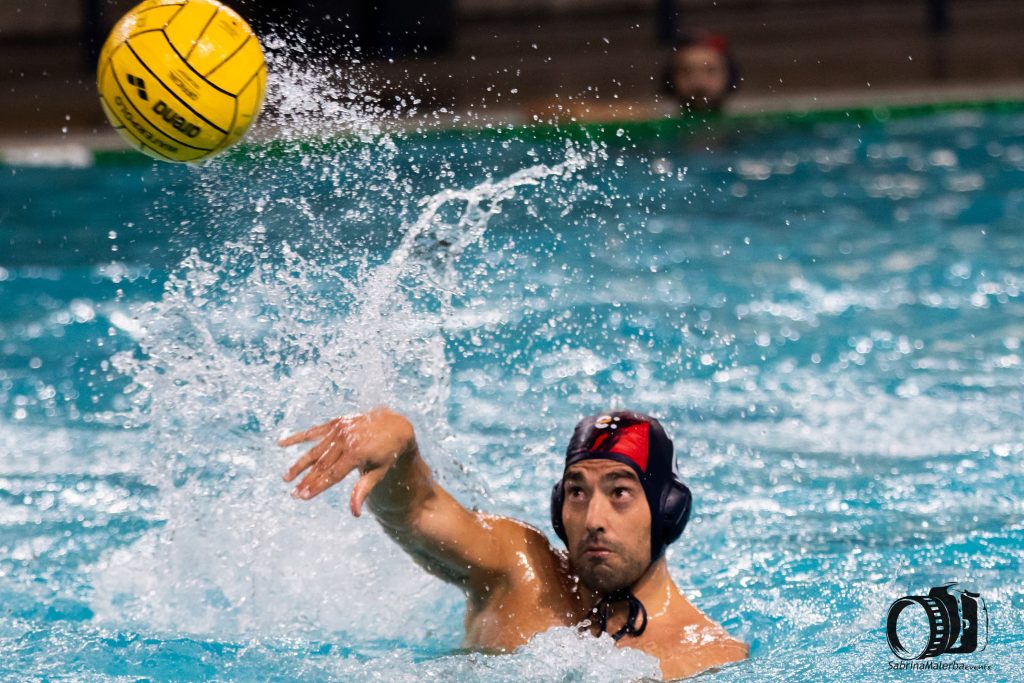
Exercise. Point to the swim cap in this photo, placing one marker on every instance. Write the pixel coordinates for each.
(711, 40)
(640, 442)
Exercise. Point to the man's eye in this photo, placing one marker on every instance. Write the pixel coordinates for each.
(575, 492)
(621, 492)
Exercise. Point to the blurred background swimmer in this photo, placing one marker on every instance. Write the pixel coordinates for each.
(701, 73)
(699, 76)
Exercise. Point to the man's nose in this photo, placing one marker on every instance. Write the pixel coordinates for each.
(597, 513)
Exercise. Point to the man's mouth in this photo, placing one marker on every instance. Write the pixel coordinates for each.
(597, 551)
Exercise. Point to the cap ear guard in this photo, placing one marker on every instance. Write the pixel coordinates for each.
(676, 503)
(557, 498)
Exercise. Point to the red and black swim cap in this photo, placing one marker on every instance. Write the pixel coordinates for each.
(640, 442)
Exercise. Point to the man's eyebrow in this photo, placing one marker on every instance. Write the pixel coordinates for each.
(620, 474)
(615, 475)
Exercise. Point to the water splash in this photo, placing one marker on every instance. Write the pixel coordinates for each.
(257, 337)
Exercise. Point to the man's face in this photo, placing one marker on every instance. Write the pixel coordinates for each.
(608, 524)
(700, 76)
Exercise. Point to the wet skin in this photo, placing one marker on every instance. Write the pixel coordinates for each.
(516, 583)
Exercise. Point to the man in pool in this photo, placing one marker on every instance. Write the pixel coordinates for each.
(617, 506)
(701, 73)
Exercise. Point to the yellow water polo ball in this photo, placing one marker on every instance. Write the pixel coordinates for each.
(181, 80)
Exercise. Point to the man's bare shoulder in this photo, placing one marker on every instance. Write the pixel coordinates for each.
(701, 647)
(525, 551)
(518, 536)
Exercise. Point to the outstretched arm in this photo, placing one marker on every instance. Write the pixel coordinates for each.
(458, 545)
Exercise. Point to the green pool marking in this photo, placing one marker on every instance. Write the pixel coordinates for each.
(633, 131)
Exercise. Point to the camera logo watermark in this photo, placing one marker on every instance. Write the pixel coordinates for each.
(948, 620)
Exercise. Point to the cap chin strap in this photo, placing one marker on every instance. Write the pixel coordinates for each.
(637, 611)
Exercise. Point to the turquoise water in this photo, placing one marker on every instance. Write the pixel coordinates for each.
(827, 317)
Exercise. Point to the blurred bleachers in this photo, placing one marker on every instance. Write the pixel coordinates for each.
(510, 57)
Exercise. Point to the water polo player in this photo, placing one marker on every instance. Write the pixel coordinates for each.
(618, 505)
(701, 73)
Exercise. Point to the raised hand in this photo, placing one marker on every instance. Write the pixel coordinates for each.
(371, 442)
(451, 542)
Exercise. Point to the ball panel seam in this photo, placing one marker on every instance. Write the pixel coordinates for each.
(151, 124)
(228, 58)
(108, 110)
(173, 93)
(249, 80)
(156, 7)
(144, 146)
(193, 69)
(199, 36)
(234, 117)
(168, 22)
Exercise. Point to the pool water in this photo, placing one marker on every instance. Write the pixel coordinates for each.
(826, 315)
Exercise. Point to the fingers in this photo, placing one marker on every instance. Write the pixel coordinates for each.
(316, 482)
(331, 460)
(309, 435)
(362, 489)
(329, 469)
(309, 458)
